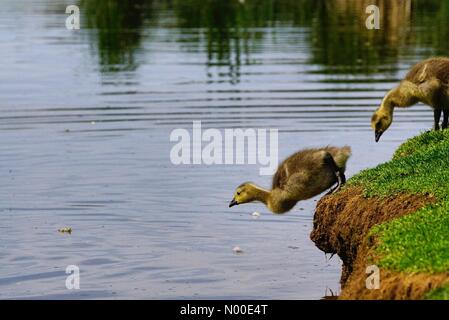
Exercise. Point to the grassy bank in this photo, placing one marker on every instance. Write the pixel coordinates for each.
(417, 242)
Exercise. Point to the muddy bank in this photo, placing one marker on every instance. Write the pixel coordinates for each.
(341, 225)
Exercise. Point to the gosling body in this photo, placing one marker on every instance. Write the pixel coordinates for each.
(301, 176)
(426, 82)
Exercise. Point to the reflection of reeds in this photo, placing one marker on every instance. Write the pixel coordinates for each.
(434, 16)
(118, 24)
(225, 25)
(395, 16)
(338, 36)
(229, 25)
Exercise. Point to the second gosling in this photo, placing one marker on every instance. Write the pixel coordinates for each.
(301, 176)
(426, 82)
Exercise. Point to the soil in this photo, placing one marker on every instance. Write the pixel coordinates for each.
(341, 224)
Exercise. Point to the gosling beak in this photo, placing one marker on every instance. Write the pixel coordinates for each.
(233, 203)
(377, 135)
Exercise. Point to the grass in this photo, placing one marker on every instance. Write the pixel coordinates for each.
(441, 293)
(421, 165)
(418, 242)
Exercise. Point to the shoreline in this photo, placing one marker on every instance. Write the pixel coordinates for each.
(382, 215)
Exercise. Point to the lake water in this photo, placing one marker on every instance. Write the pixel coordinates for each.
(86, 118)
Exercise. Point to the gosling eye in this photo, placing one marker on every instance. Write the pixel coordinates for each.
(238, 193)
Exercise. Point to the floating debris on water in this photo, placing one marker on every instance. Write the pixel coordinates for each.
(256, 214)
(65, 230)
(237, 249)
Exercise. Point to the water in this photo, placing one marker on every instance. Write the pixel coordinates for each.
(86, 120)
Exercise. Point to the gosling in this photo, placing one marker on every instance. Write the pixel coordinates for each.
(301, 176)
(426, 82)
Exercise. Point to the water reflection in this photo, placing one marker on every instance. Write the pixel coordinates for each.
(230, 31)
(119, 27)
(341, 41)
(430, 28)
(225, 31)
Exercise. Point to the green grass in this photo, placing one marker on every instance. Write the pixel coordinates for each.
(421, 143)
(438, 293)
(419, 166)
(418, 242)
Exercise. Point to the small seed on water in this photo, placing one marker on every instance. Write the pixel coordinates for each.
(256, 214)
(237, 249)
(65, 230)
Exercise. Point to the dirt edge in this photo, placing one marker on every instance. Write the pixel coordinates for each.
(341, 224)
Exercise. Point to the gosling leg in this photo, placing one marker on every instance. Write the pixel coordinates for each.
(445, 119)
(339, 173)
(436, 118)
(341, 180)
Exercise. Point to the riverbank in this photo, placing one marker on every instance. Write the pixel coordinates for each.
(394, 216)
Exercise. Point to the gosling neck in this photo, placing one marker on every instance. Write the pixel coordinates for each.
(261, 194)
(406, 94)
(275, 200)
(279, 201)
(387, 106)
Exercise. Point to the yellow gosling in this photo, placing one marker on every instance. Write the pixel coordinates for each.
(426, 82)
(301, 176)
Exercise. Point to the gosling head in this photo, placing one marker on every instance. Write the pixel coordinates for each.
(246, 192)
(380, 122)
